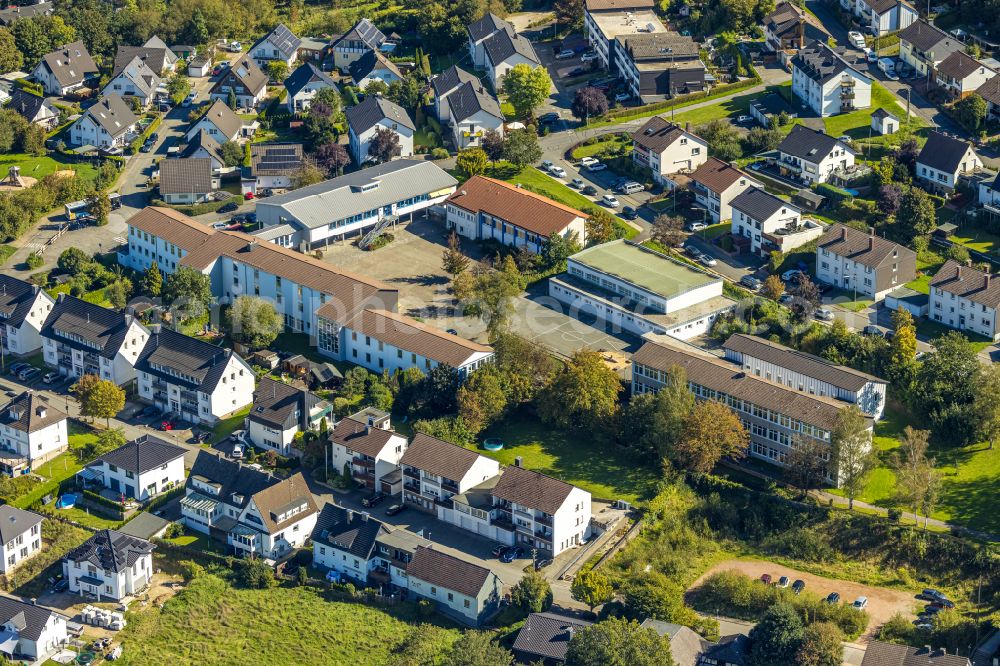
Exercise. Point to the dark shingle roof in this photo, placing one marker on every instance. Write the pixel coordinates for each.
(204, 140)
(142, 454)
(809, 144)
(437, 568)
(275, 159)
(16, 299)
(716, 175)
(471, 98)
(348, 531)
(373, 110)
(923, 36)
(890, 654)
(304, 74)
(958, 65)
(759, 204)
(657, 134)
(866, 249)
(730, 649)
(821, 63)
(231, 476)
(506, 43)
(183, 175)
(28, 412)
(368, 63)
(450, 79)
(276, 502)
(102, 328)
(486, 26)
(245, 72)
(15, 522)
(532, 489)
(990, 91)
(224, 118)
(154, 57)
(967, 282)
(111, 550)
(547, 635)
(181, 359)
(113, 114)
(439, 457)
(28, 618)
(783, 19)
(70, 64)
(881, 113)
(359, 437)
(10, 14)
(275, 403)
(363, 31)
(29, 105)
(943, 152)
(659, 46)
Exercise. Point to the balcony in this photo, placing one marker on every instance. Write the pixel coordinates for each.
(363, 474)
(449, 485)
(847, 82)
(411, 486)
(846, 94)
(544, 520)
(543, 534)
(411, 473)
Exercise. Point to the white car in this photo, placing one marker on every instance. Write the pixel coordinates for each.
(587, 161)
(856, 38)
(557, 171)
(861, 603)
(546, 165)
(589, 56)
(565, 54)
(610, 200)
(237, 451)
(50, 376)
(696, 226)
(793, 274)
(600, 166)
(741, 119)
(823, 314)
(623, 97)
(707, 260)
(189, 100)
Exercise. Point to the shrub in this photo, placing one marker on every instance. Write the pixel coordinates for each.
(34, 260)
(440, 154)
(255, 574)
(191, 570)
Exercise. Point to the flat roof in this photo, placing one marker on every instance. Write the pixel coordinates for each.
(613, 24)
(643, 267)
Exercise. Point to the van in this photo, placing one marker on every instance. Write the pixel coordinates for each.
(888, 67)
(632, 187)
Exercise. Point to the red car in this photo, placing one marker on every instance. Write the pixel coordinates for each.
(167, 425)
(248, 196)
(766, 579)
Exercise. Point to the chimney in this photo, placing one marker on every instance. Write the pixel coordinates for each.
(368, 429)
(350, 515)
(687, 126)
(364, 516)
(958, 272)
(40, 412)
(871, 243)
(843, 233)
(517, 461)
(871, 231)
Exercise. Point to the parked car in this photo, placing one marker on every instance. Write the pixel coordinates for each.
(50, 376)
(589, 190)
(931, 594)
(28, 373)
(374, 499)
(577, 71)
(146, 147)
(785, 299)
(942, 603)
(166, 424)
(707, 260)
(857, 39)
(546, 165)
(742, 119)
(695, 226)
(228, 208)
(18, 367)
(589, 56)
(789, 276)
(199, 436)
(587, 161)
(577, 183)
(765, 578)
(565, 54)
(753, 284)
(692, 251)
(557, 171)
(511, 554)
(783, 582)
(798, 586)
(610, 200)
(823, 314)
(861, 603)
(932, 610)
(500, 550)
(394, 509)
(189, 100)
(629, 213)
(870, 56)
(833, 598)
(600, 166)
(237, 453)
(623, 97)
(549, 117)
(220, 225)
(871, 329)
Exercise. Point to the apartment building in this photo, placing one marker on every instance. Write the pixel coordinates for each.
(715, 184)
(140, 469)
(80, 338)
(486, 208)
(775, 415)
(763, 223)
(924, 47)
(280, 411)
(785, 30)
(825, 82)
(21, 535)
(162, 236)
(435, 470)
(961, 74)
(943, 159)
(464, 591)
(23, 309)
(31, 432)
(109, 566)
(666, 149)
(806, 373)
(480, 31)
(369, 451)
(191, 379)
(854, 260)
(605, 20)
(659, 65)
(881, 17)
(965, 298)
(813, 156)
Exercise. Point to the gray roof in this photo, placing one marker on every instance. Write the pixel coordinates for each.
(363, 31)
(203, 140)
(220, 115)
(866, 249)
(546, 636)
(439, 457)
(759, 204)
(29, 412)
(141, 455)
(231, 476)
(276, 403)
(15, 522)
(505, 44)
(104, 329)
(368, 63)
(283, 39)
(275, 159)
(451, 78)
(821, 63)
(890, 654)
(686, 647)
(881, 113)
(245, 72)
(486, 26)
(181, 359)
(924, 36)
(31, 106)
(304, 74)
(28, 618)
(809, 144)
(990, 91)
(145, 525)
(665, 46)
(16, 299)
(730, 649)
(113, 114)
(10, 14)
(182, 175)
(471, 98)
(943, 152)
(532, 489)
(155, 57)
(968, 282)
(111, 550)
(349, 531)
(142, 76)
(657, 134)
(958, 65)
(70, 64)
(318, 205)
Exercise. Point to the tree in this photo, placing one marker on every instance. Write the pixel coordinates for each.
(119, 292)
(806, 466)
(471, 161)
(406, 92)
(319, 127)
(667, 230)
(712, 431)
(231, 100)
(72, 259)
(188, 292)
(533, 594)
(99, 205)
(558, 248)
(152, 281)
(277, 70)
(618, 642)
(852, 452)
(232, 153)
(477, 648)
(526, 87)
(988, 403)
(307, 174)
(481, 400)
(723, 140)
(376, 88)
(109, 440)
(254, 322)
(81, 390)
(178, 88)
(452, 260)
(773, 287)
(599, 227)
(945, 389)
(903, 351)
(761, 139)
(971, 111)
(821, 645)
(806, 298)
(384, 145)
(890, 196)
(589, 102)
(776, 638)
(913, 468)
(655, 422)
(592, 588)
(333, 157)
(569, 12)
(257, 575)
(584, 394)
(11, 59)
(916, 215)
(521, 148)
(492, 143)
(488, 293)
(103, 400)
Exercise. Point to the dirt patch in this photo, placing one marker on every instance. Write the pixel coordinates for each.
(882, 603)
(26, 182)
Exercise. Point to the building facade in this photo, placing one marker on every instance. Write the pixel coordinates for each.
(966, 299)
(21, 534)
(715, 183)
(33, 431)
(665, 149)
(109, 566)
(826, 83)
(140, 469)
(434, 471)
(23, 309)
(853, 260)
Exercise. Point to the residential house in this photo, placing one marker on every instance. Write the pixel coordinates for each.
(715, 183)
(486, 208)
(461, 590)
(775, 415)
(81, 338)
(191, 379)
(279, 45)
(187, 180)
(924, 47)
(21, 535)
(638, 290)
(965, 298)
(109, 566)
(356, 202)
(183, 51)
(472, 111)
(807, 373)
(273, 166)
(373, 114)
(686, 647)
(203, 144)
(303, 84)
(162, 236)
(812, 156)
(33, 633)
(11, 14)
(545, 637)
(826, 83)
(33, 431)
(943, 159)
(479, 32)
(313, 48)
(891, 654)
(990, 91)
(381, 340)
(108, 125)
(245, 80)
(23, 309)
(36, 110)
(447, 82)
(219, 122)
(961, 74)
(369, 451)
(504, 50)
(605, 20)
(730, 650)
(67, 69)
(762, 222)
(154, 53)
(880, 17)
(434, 471)
(665, 148)
(785, 30)
(345, 541)
(134, 79)
(393, 553)
(863, 262)
(659, 65)
(884, 122)
(199, 67)
(362, 38)
(254, 513)
(373, 66)
(140, 469)
(280, 411)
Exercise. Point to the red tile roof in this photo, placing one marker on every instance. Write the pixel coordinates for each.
(527, 210)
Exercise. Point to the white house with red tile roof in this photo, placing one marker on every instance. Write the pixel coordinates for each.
(715, 183)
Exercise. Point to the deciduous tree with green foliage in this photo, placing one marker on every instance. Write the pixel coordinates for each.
(482, 400)
(119, 292)
(773, 287)
(72, 259)
(618, 642)
(151, 283)
(971, 111)
(945, 391)
(526, 87)
(583, 394)
(558, 248)
(711, 431)
(471, 161)
(277, 70)
(254, 321)
(488, 293)
(655, 422)
(599, 227)
(852, 452)
(592, 588)
(178, 87)
(477, 648)
(521, 148)
(532, 594)
(232, 153)
(452, 260)
(10, 57)
(188, 292)
(103, 400)
(99, 206)
(775, 640)
(916, 215)
(821, 645)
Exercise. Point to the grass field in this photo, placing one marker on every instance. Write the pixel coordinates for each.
(921, 284)
(39, 167)
(857, 123)
(607, 141)
(730, 107)
(577, 458)
(5, 252)
(225, 427)
(978, 240)
(212, 623)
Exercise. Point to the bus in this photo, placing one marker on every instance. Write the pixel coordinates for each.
(75, 209)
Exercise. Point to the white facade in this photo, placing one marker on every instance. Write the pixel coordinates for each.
(468, 133)
(21, 547)
(233, 392)
(51, 639)
(266, 437)
(149, 484)
(119, 368)
(483, 226)
(684, 154)
(892, 19)
(749, 227)
(717, 203)
(430, 486)
(819, 170)
(131, 82)
(382, 463)
(213, 130)
(85, 578)
(32, 448)
(967, 85)
(25, 338)
(847, 274)
(359, 143)
(924, 62)
(497, 70)
(938, 180)
(467, 607)
(843, 93)
(954, 307)
(302, 100)
(86, 131)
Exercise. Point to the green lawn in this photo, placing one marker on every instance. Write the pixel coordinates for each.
(225, 427)
(857, 123)
(96, 296)
(39, 167)
(933, 329)
(212, 623)
(978, 240)
(5, 252)
(607, 141)
(847, 300)
(541, 183)
(59, 468)
(89, 518)
(921, 284)
(577, 458)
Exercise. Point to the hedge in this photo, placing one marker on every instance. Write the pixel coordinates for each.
(163, 498)
(104, 502)
(833, 194)
(683, 100)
